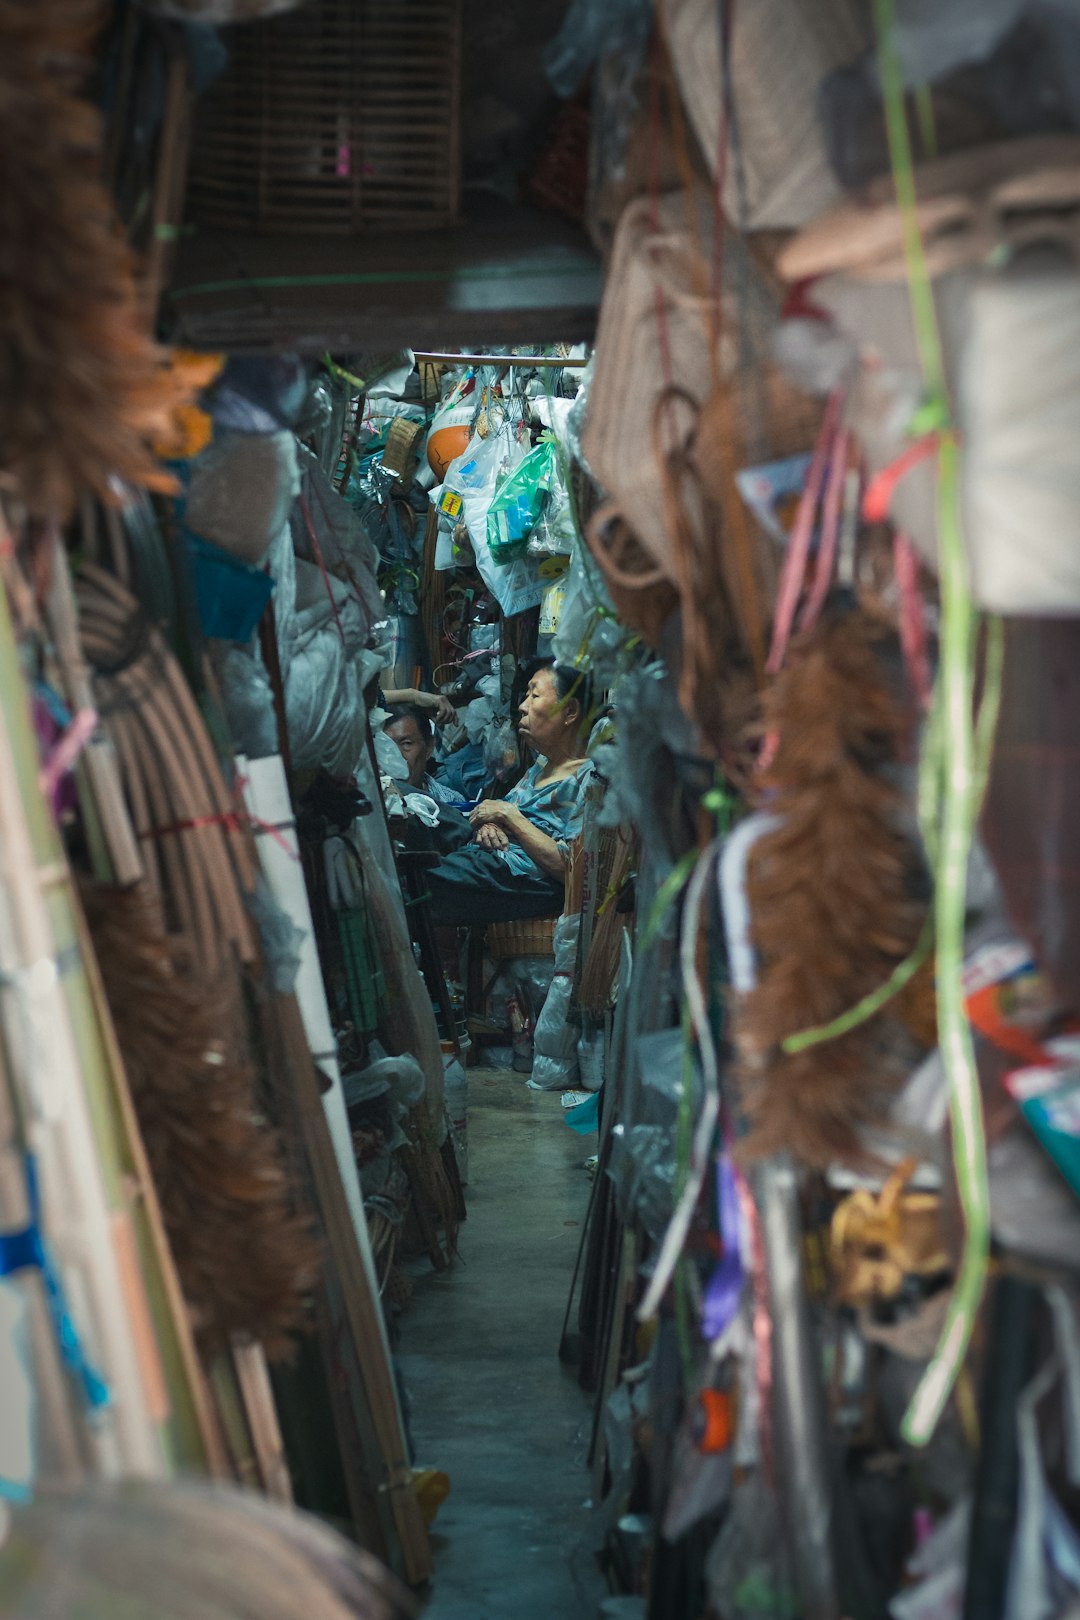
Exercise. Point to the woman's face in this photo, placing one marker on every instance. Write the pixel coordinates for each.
(544, 720)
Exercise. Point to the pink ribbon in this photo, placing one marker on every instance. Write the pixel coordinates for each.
(63, 756)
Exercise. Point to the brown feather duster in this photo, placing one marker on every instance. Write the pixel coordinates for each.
(833, 900)
(245, 1254)
(83, 388)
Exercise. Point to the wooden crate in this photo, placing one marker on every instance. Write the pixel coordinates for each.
(340, 117)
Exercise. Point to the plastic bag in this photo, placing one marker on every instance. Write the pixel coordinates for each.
(748, 1571)
(500, 748)
(519, 501)
(591, 29)
(555, 1040)
(241, 489)
(469, 487)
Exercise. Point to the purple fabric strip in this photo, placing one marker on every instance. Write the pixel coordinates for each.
(724, 1288)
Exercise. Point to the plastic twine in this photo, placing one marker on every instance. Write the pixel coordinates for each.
(958, 784)
(870, 1004)
(798, 553)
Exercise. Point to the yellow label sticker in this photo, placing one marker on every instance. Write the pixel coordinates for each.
(450, 503)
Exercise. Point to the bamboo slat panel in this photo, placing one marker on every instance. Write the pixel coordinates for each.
(342, 117)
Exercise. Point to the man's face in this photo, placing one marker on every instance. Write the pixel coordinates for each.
(416, 749)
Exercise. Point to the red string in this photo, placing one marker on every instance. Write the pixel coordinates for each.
(912, 618)
(830, 533)
(791, 580)
(881, 488)
(232, 820)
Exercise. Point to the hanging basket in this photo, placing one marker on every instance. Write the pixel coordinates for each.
(340, 118)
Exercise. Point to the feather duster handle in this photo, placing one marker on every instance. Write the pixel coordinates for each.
(832, 892)
(83, 388)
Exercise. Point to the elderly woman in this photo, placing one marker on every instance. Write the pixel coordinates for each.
(516, 865)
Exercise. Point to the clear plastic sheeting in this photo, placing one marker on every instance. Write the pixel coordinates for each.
(282, 941)
(247, 698)
(328, 532)
(555, 1039)
(260, 394)
(593, 29)
(748, 1571)
(643, 1149)
(241, 489)
(588, 632)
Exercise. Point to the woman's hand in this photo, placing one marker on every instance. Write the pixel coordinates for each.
(507, 818)
(491, 837)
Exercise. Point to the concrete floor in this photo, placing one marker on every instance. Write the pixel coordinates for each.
(491, 1402)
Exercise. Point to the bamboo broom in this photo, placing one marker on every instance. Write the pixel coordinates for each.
(44, 1007)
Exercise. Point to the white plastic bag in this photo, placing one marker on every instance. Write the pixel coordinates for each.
(555, 1039)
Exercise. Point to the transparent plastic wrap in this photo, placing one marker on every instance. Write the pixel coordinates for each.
(519, 501)
(391, 759)
(325, 526)
(400, 1078)
(591, 29)
(555, 533)
(500, 748)
(589, 634)
(748, 1572)
(532, 976)
(323, 696)
(241, 489)
(260, 394)
(247, 697)
(478, 717)
(592, 1055)
(577, 416)
(643, 1152)
(555, 1038)
(282, 941)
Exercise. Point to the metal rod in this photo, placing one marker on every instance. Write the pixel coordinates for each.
(502, 359)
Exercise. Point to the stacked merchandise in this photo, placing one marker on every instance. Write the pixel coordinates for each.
(187, 1276)
(828, 1293)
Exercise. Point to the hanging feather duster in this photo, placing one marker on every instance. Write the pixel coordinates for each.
(835, 903)
(83, 388)
(245, 1254)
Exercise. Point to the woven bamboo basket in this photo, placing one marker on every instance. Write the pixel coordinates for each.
(342, 117)
(533, 936)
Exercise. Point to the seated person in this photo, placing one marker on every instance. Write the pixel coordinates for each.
(410, 727)
(516, 865)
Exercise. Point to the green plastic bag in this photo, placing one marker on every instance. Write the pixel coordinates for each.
(519, 501)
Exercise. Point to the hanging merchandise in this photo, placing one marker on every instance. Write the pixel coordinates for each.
(833, 891)
(775, 173)
(466, 497)
(554, 574)
(452, 427)
(84, 389)
(240, 491)
(520, 500)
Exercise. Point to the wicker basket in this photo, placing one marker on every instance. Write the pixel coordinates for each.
(534, 936)
(339, 118)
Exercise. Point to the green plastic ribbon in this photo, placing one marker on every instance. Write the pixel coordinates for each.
(870, 1004)
(346, 376)
(950, 782)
